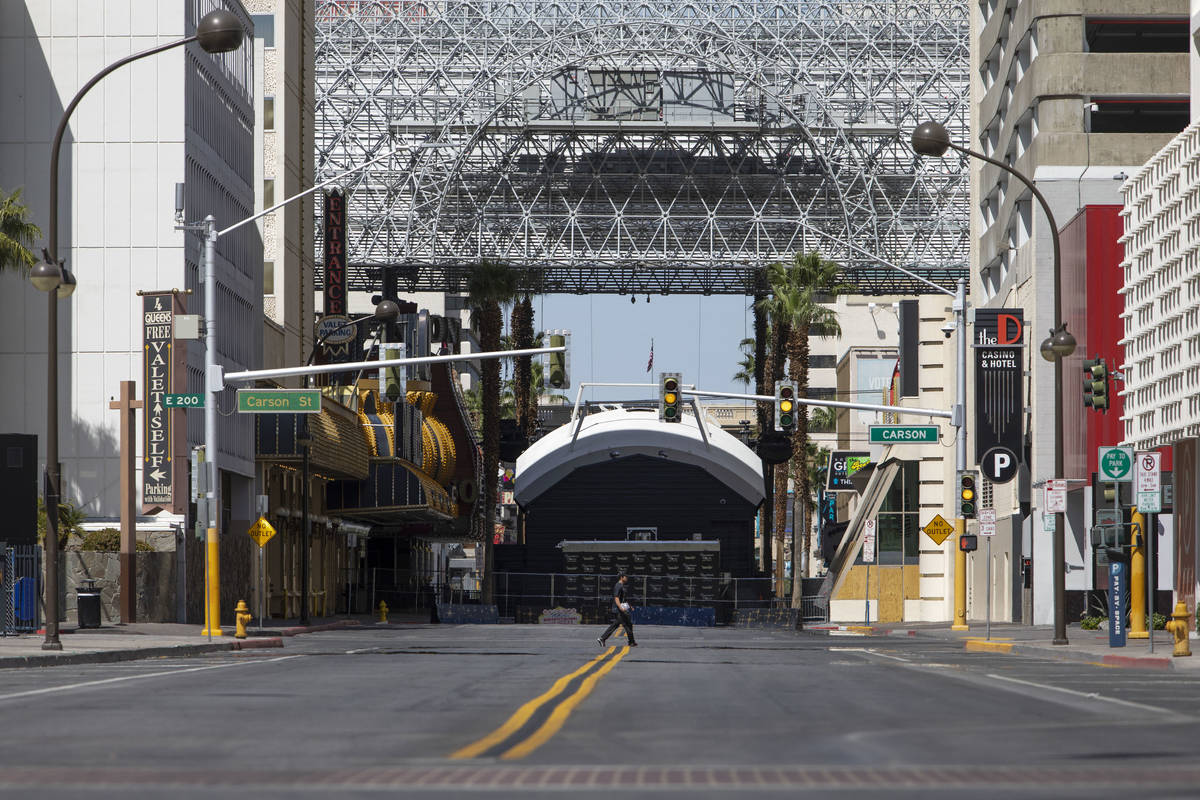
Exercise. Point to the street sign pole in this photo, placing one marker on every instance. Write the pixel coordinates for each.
(987, 529)
(262, 587)
(989, 588)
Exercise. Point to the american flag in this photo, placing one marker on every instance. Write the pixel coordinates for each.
(650, 363)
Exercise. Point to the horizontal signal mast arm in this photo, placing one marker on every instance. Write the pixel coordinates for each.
(351, 366)
(917, 412)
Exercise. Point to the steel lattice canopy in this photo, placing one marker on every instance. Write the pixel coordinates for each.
(644, 147)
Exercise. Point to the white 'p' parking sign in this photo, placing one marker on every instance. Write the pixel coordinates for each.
(999, 464)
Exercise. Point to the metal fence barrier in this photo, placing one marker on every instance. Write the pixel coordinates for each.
(21, 589)
(518, 594)
(521, 596)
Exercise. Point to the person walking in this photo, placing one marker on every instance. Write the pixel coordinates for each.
(621, 611)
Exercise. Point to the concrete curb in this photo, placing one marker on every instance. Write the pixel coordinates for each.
(257, 644)
(1062, 654)
(116, 656)
(329, 626)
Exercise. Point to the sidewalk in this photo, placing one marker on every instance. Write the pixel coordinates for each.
(1006, 637)
(112, 643)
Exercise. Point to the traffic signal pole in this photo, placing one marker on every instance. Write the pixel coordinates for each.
(960, 456)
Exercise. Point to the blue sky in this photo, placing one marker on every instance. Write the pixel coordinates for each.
(610, 339)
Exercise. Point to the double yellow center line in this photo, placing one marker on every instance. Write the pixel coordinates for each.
(518, 746)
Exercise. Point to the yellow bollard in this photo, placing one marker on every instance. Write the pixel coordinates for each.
(1137, 579)
(241, 617)
(960, 578)
(212, 611)
(383, 612)
(1178, 627)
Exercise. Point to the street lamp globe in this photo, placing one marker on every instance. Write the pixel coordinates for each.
(387, 311)
(931, 139)
(66, 286)
(1047, 349)
(1063, 342)
(46, 275)
(219, 31)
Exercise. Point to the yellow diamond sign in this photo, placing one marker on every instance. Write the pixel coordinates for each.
(938, 529)
(261, 531)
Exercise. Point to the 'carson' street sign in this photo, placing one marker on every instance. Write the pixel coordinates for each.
(279, 401)
(904, 434)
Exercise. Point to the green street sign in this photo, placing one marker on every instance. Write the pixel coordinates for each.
(279, 401)
(1116, 464)
(183, 401)
(904, 434)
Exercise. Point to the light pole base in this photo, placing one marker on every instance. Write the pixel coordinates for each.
(960, 627)
(1059, 641)
(52, 645)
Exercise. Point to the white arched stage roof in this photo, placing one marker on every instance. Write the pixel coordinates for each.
(607, 435)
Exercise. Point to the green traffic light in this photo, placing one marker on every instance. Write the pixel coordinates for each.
(669, 412)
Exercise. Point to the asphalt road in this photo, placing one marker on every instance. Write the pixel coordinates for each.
(516, 711)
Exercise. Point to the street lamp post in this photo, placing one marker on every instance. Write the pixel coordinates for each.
(217, 32)
(932, 139)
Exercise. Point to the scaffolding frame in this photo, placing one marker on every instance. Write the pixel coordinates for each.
(645, 147)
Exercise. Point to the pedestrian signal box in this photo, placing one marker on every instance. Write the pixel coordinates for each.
(968, 543)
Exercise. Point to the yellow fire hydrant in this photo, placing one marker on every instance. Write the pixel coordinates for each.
(241, 616)
(383, 611)
(1178, 627)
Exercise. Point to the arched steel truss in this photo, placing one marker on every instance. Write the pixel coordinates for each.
(647, 147)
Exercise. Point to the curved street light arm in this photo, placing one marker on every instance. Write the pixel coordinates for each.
(52, 229)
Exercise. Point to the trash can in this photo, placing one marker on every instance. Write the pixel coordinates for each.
(87, 604)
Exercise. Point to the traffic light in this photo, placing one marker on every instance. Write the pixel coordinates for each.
(670, 402)
(968, 543)
(557, 377)
(1095, 384)
(968, 499)
(785, 406)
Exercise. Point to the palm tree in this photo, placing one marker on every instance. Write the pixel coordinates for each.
(489, 285)
(764, 415)
(799, 289)
(745, 374)
(523, 339)
(17, 233)
(780, 328)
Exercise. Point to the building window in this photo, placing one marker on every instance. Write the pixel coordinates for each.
(822, 393)
(822, 362)
(825, 331)
(264, 28)
(268, 277)
(268, 113)
(268, 192)
(1146, 115)
(1137, 35)
(898, 519)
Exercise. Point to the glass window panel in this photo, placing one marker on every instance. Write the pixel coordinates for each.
(264, 28)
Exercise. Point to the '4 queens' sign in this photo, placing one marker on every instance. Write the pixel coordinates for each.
(162, 371)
